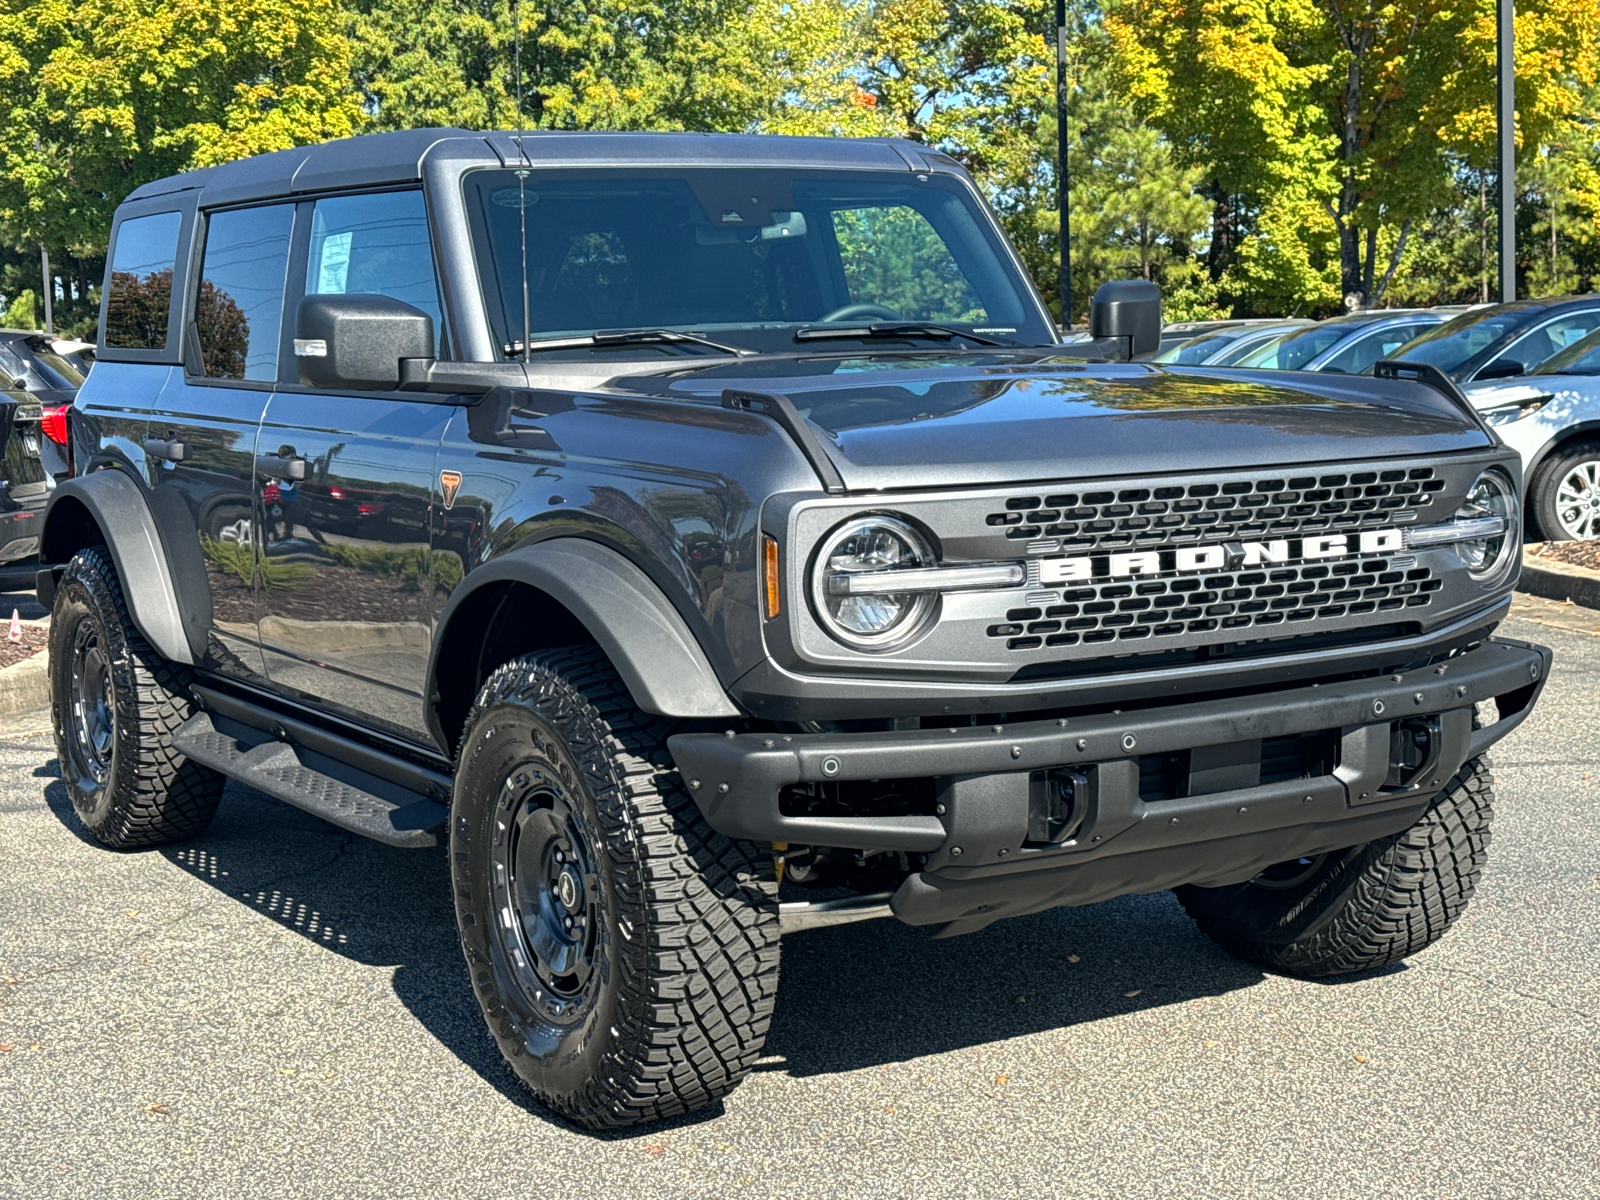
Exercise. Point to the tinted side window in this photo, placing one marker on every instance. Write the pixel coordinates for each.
(374, 245)
(239, 310)
(1550, 339)
(140, 297)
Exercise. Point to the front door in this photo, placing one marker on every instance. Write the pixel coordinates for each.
(346, 583)
(201, 439)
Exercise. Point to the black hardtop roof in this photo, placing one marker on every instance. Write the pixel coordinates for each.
(386, 158)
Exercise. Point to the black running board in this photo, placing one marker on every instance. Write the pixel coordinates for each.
(339, 793)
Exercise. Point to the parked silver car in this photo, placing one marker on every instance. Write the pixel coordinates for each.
(1214, 347)
(1551, 417)
(1347, 345)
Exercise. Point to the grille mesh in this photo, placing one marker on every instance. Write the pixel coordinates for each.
(1279, 507)
(1162, 608)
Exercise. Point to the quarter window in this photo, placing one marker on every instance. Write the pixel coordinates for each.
(375, 245)
(139, 298)
(239, 311)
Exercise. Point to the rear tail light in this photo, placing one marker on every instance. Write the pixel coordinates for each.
(54, 424)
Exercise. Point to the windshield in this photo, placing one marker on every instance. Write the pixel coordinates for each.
(39, 369)
(1456, 343)
(1580, 358)
(1196, 349)
(1291, 351)
(746, 256)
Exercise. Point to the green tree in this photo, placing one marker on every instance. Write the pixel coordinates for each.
(99, 96)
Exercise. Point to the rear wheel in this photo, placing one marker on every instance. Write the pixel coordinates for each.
(115, 704)
(1361, 908)
(1565, 493)
(625, 954)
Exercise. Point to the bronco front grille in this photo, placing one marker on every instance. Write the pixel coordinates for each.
(1164, 608)
(1280, 507)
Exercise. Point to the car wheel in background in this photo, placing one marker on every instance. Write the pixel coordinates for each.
(1564, 496)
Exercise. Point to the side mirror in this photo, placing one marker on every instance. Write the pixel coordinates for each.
(1502, 368)
(1129, 309)
(358, 342)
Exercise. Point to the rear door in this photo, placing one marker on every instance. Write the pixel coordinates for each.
(201, 441)
(347, 586)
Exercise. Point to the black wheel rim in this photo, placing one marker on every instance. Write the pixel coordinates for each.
(1280, 877)
(547, 900)
(93, 715)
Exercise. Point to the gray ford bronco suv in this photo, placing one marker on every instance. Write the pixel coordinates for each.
(706, 538)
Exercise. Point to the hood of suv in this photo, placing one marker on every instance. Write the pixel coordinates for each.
(942, 419)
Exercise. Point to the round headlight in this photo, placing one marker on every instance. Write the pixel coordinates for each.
(864, 612)
(1491, 495)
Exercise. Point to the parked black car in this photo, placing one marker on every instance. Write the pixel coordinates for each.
(752, 558)
(1504, 340)
(36, 388)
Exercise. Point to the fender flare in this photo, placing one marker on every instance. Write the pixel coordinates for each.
(120, 508)
(648, 642)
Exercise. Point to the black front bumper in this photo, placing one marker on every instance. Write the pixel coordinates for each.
(978, 866)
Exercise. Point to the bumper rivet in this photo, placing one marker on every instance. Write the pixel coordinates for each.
(1533, 670)
(830, 766)
(999, 728)
(1417, 697)
(1377, 708)
(940, 809)
(1307, 800)
(955, 851)
(694, 785)
(1083, 743)
(1244, 808)
(1461, 689)
(1004, 852)
(722, 789)
(727, 733)
(1129, 741)
(769, 743)
(1173, 821)
(1095, 838)
(1016, 752)
(1061, 721)
(1397, 678)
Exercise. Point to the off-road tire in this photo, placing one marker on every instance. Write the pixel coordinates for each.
(686, 940)
(146, 793)
(1546, 482)
(1368, 906)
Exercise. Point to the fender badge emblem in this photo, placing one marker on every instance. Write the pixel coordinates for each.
(450, 483)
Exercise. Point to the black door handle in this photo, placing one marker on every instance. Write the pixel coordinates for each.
(165, 450)
(281, 466)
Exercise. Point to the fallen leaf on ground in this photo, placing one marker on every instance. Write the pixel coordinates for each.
(888, 1110)
(6, 1047)
(1001, 1079)
(1022, 999)
(1073, 958)
(1361, 1058)
(156, 1107)
(285, 1070)
(655, 1148)
(1132, 994)
(36, 1046)
(1208, 1043)
(130, 912)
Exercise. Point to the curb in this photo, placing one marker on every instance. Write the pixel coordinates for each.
(25, 686)
(1560, 581)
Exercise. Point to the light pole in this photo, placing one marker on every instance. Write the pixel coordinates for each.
(1506, 122)
(1061, 164)
(49, 289)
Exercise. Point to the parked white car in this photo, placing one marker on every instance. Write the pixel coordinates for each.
(1551, 417)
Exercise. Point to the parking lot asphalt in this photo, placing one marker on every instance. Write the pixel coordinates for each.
(281, 1010)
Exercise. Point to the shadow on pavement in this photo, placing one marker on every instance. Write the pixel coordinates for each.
(851, 996)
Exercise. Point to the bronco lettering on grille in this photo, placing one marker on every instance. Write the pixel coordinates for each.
(1218, 556)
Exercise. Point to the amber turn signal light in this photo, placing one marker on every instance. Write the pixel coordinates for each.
(769, 573)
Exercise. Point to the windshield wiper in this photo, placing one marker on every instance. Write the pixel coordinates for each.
(628, 337)
(892, 329)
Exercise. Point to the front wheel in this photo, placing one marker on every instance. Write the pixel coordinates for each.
(1361, 908)
(625, 955)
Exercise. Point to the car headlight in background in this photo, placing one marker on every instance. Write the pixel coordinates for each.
(1485, 530)
(1504, 414)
